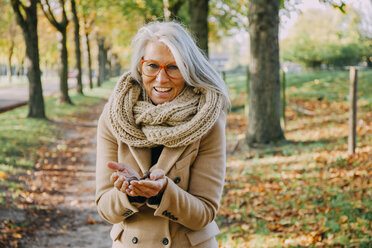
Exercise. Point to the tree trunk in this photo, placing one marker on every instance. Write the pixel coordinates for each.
(79, 87)
(115, 65)
(63, 70)
(89, 58)
(102, 61)
(21, 70)
(109, 65)
(10, 55)
(28, 24)
(198, 12)
(62, 47)
(174, 8)
(107, 61)
(264, 102)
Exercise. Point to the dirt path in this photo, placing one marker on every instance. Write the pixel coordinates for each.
(71, 219)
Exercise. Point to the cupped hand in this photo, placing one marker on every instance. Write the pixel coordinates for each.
(119, 182)
(122, 176)
(149, 187)
(123, 170)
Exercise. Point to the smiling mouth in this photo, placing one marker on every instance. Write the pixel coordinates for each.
(163, 89)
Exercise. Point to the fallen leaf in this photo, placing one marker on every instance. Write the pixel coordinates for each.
(91, 221)
(3, 175)
(17, 235)
(61, 231)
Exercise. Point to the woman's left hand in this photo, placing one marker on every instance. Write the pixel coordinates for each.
(149, 187)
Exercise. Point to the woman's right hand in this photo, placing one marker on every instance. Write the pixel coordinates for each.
(121, 175)
(119, 182)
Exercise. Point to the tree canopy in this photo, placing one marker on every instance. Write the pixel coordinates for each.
(332, 39)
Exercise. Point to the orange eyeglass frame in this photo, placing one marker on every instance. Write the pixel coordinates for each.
(162, 66)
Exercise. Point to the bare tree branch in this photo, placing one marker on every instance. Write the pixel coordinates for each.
(64, 16)
(16, 4)
(49, 14)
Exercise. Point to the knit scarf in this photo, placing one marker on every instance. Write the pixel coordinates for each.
(137, 122)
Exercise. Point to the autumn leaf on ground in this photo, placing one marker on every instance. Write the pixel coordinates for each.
(17, 235)
(91, 221)
(3, 175)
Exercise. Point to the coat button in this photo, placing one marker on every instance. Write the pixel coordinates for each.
(177, 180)
(134, 240)
(165, 241)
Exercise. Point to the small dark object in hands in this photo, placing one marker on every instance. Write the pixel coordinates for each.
(134, 178)
(128, 172)
(145, 175)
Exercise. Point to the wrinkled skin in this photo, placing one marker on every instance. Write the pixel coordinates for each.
(128, 181)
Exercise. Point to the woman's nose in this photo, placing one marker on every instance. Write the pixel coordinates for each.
(162, 76)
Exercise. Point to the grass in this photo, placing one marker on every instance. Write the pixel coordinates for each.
(329, 85)
(305, 192)
(21, 137)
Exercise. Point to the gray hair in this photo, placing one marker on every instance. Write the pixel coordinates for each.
(194, 66)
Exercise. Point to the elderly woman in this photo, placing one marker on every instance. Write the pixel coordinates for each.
(161, 145)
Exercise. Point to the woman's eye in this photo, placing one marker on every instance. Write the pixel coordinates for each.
(155, 66)
(172, 67)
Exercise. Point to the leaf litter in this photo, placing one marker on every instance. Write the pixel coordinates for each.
(306, 192)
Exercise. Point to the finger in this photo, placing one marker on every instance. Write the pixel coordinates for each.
(157, 174)
(157, 186)
(130, 192)
(154, 185)
(115, 166)
(114, 176)
(124, 187)
(118, 183)
(143, 191)
(136, 191)
(148, 189)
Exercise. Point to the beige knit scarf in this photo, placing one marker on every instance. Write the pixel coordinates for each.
(137, 122)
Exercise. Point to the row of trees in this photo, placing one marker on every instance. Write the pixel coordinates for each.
(334, 39)
(115, 21)
(97, 16)
(56, 13)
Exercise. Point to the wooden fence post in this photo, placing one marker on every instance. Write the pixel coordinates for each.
(246, 105)
(353, 109)
(283, 97)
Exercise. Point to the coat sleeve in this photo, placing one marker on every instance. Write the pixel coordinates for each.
(198, 206)
(113, 205)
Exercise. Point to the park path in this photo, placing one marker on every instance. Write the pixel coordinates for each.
(77, 223)
(18, 95)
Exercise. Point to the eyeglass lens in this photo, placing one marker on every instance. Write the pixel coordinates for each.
(151, 68)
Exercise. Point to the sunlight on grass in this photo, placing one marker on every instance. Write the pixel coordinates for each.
(328, 85)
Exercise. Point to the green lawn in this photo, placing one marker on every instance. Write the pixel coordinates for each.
(330, 85)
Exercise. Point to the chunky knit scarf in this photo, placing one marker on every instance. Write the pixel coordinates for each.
(137, 122)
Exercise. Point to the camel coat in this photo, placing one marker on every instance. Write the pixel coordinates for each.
(185, 216)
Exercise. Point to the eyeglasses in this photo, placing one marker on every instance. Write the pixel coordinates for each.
(152, 68)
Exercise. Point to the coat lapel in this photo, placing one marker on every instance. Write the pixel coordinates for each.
(168, 158)
(142, 157)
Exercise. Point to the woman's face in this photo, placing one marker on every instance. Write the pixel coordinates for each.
(161, 88)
